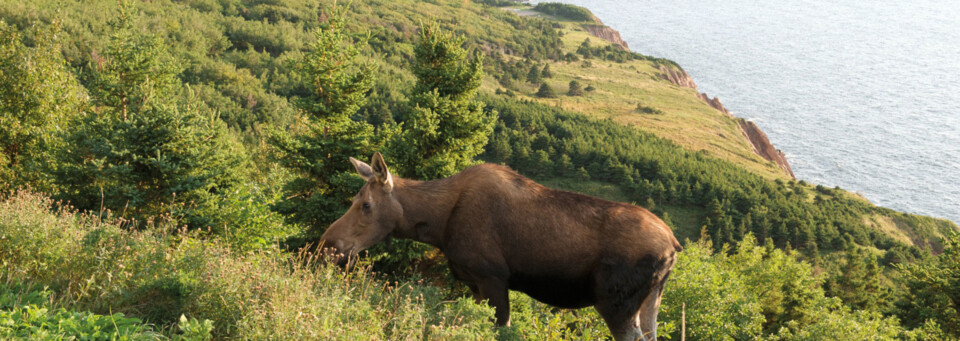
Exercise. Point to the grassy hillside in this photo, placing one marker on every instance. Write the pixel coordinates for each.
(622, 87)
(767, 256)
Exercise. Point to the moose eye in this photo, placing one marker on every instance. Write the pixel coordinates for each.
(365, 206)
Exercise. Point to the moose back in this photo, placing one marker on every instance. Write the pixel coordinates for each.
(501, 231)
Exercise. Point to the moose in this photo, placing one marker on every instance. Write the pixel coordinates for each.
(501, 231)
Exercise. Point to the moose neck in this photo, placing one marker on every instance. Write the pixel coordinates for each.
(426, 208)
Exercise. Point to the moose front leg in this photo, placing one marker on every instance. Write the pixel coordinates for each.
(495, 291)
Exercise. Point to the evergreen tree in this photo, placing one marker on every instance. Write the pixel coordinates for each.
(533, 76)
(933, 289)
(38, 93)
(546, 91)
(546, 73)
(860, 282)
(136, 69)
(320, 146)
(143, 152)
(575, 89)
(445, 128)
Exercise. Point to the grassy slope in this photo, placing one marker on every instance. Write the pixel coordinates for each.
(620, 86)
(686, 120)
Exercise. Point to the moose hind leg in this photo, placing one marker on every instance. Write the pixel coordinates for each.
(498, 296)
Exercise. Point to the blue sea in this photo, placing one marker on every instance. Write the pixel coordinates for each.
(864, 95)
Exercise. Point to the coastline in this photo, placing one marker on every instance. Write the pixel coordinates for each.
(758, 139)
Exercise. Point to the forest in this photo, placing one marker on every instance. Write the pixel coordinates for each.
(164, 164)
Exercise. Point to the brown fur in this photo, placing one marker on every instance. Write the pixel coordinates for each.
(500, 231)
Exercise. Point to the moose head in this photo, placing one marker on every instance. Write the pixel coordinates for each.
(373, 215)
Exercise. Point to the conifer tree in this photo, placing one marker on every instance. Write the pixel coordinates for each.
(136, 69)
(546, 91)
(546, 73)
(533, 76)
(147, 148)
(575, 89)
(933, 289)
(444, 128)
(319, 148)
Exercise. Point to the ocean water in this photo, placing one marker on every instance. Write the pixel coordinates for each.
(860, 94)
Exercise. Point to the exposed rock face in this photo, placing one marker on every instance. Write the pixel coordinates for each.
(677, 77)
(606, 33)
(762, 146)
(758, 139)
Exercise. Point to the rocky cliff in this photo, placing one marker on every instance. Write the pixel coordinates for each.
(761, 144)
(606, 33)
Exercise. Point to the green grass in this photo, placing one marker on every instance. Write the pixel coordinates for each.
(687, 120)
(595, 188)
(162, 273)
(685, 219)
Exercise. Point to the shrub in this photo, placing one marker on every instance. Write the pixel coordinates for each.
(575, 89)
(643, 109)
(564, 10)
(546, 91)
(25, 313)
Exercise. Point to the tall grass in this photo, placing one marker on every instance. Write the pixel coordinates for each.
(161, 272)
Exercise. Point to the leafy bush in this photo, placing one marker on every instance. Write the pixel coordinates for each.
(25, 314)
(576, 89)
(37, 94)
(643, 109)
(546, 91)
(571, 12)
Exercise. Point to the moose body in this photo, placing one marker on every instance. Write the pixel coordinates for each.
(501, 231)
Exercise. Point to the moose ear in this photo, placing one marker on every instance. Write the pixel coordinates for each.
(363, 169)
(381, 172)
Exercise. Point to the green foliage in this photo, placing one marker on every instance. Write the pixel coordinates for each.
(162, 160)
(25, 313)
(647, 166)
(834, 322)
(497, 3)
(575, 89)
(567, 11)
(319, 148)
(643, 109)
(933, 290)
(717, 306)
(244, 219)
(338, 80)
(860, 283)
(250, 64)
(97, 265)
(135, 72)
(444, 128)
(762, 292)
(546, 73)
(144, 152)
(533, 76)
(194, 330)
(38, 94)
(532, 320)
(545, 91)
